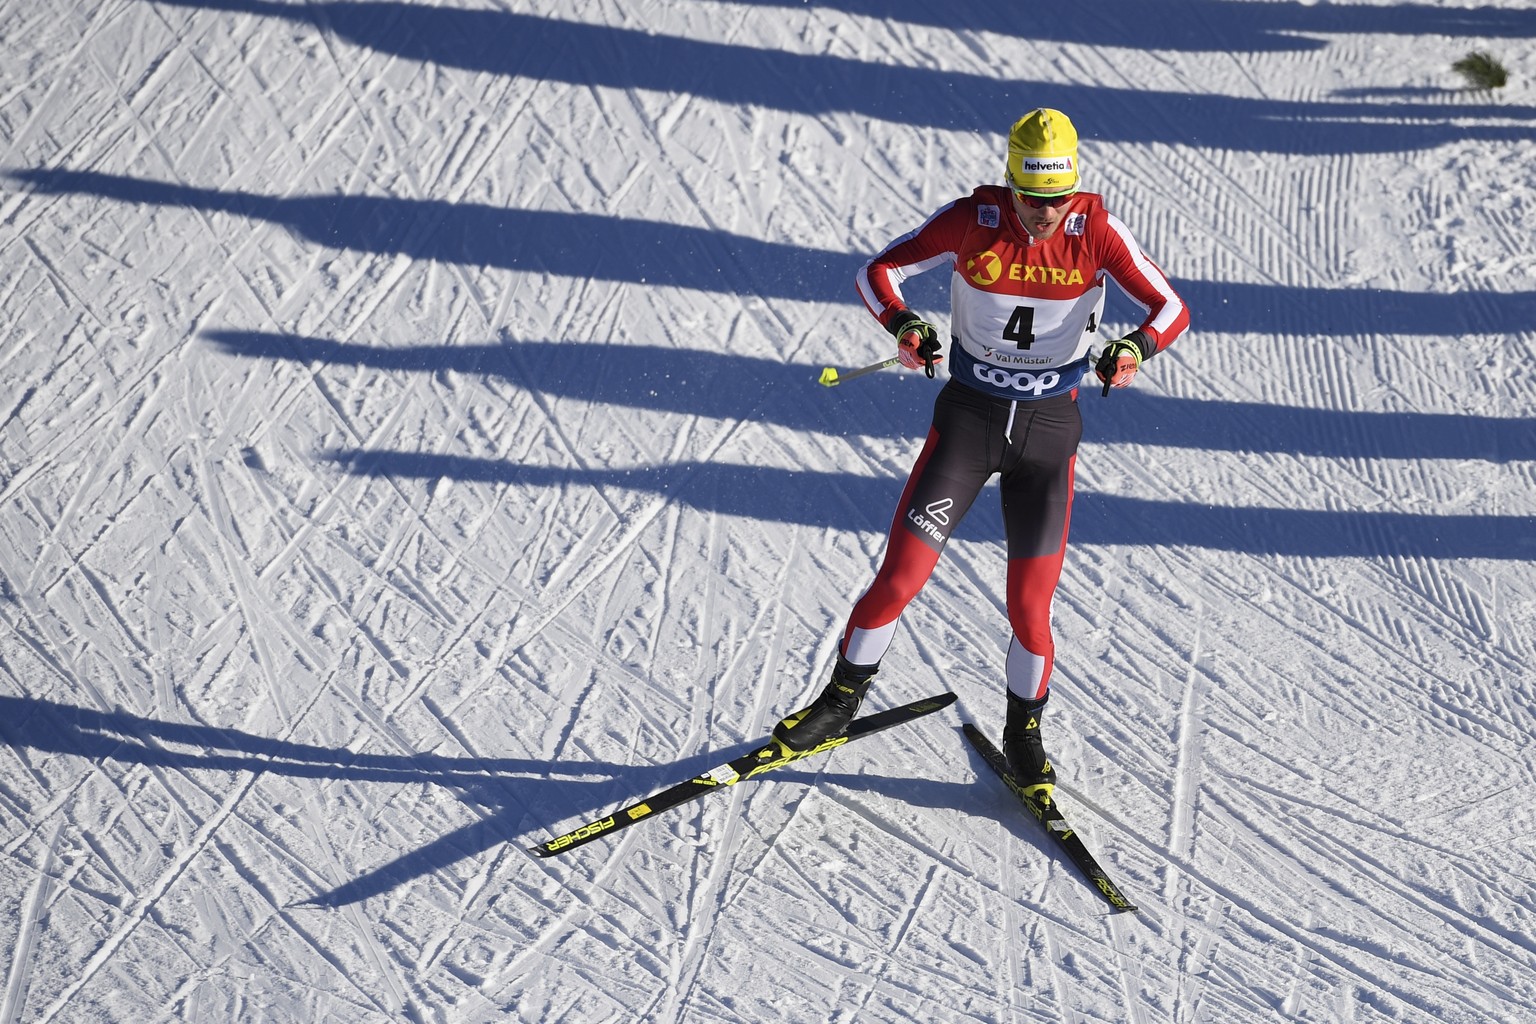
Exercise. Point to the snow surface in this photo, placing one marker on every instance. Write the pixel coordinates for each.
(410, 448)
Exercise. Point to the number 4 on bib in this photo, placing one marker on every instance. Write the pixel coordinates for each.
(1021, 327)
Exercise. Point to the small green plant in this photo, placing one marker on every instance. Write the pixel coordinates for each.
(1481, 70)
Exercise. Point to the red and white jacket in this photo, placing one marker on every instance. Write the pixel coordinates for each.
(1023, 312)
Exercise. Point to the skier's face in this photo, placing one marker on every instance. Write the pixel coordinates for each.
(1041, 221)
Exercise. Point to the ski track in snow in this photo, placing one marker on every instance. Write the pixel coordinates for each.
(410, 448)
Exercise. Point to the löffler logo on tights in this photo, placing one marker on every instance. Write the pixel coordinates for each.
(926, 525)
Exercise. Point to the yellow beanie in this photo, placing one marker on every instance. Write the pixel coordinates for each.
(1042, 153)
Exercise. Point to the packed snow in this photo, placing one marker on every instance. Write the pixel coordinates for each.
(411, 448)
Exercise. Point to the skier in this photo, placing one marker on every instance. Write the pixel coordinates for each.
(1029, 263)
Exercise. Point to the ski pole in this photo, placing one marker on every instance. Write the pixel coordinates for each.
(830, 377)
(1093, 357)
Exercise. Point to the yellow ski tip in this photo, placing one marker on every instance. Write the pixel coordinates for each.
(828, 376)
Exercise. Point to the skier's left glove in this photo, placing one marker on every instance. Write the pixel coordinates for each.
(1121, 359)
(917, 342)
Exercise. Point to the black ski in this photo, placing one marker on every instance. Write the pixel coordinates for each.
(1055, 825)
(764, 759)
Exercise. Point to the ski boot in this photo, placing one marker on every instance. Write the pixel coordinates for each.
(1024, 750)
(828, 715)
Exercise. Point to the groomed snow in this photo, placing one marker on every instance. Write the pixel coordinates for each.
(410, 448)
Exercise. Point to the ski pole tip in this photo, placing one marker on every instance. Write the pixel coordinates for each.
(828, 377)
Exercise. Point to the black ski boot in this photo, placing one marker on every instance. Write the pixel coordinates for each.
(1024, 750)
(829, 714)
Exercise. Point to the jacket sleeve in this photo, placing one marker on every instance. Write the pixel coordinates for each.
(934, 244)
(1144, 281)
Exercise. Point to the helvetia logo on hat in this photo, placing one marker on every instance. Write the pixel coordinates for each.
(1042, 152)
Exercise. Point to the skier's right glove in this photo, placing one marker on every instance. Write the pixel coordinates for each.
(1121, 359)
(917, 343)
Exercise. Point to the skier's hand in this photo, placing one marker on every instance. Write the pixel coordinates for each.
(1120, 360)
(917, 343)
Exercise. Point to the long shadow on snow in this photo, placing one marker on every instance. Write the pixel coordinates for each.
(1226, 26)
(505, 43)
(847, 502)
(720, 385)
(589, 246)
(504, 803)
(585, 246)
